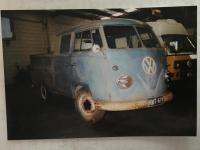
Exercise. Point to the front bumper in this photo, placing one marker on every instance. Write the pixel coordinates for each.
(131, 105)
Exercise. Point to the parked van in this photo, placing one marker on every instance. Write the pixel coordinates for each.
(111, 65)
(180, 49)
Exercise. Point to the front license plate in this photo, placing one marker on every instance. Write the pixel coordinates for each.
(156, 101)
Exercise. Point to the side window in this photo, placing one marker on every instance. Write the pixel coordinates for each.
(77, 42)
(86, 39)
(65, 43)
(97, 38)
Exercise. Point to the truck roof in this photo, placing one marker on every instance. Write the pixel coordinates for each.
(167, 26)
(114, 21)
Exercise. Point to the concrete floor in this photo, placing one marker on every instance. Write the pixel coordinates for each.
(29, 119)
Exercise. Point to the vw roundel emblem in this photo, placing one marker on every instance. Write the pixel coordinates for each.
(149, 65)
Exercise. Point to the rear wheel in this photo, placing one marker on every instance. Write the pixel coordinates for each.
(85, 106)
(44, 93)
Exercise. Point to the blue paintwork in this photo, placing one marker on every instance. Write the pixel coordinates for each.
(91, 70)
(97, 73)
(94, 70)
(115, 21)
(130, 62)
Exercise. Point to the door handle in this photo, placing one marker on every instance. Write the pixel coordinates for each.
(73, 64)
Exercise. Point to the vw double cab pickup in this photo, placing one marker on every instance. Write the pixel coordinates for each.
(111, 65)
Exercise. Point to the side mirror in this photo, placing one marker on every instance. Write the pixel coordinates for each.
(96, 48)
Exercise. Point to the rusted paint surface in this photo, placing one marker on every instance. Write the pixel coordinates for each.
(62, 73)
(130, 105)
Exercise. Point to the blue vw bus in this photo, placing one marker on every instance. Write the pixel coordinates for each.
(111, 65)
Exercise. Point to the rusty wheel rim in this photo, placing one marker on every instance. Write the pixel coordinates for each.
(86, 105)
(43, 92)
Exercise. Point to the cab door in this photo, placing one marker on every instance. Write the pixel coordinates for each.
(88, 63)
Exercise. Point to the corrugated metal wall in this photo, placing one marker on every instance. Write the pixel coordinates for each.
(31, 37)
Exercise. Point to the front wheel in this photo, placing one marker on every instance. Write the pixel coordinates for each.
(85, 106)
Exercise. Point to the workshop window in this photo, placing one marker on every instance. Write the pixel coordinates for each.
(7, 32)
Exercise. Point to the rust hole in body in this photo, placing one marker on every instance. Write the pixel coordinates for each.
(87, 105)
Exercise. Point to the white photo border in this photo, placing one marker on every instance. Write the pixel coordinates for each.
(150, 143)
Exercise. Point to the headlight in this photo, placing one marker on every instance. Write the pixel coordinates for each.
(177, 65)
(124, 81)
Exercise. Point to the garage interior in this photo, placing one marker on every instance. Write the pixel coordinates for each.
(31, 32)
